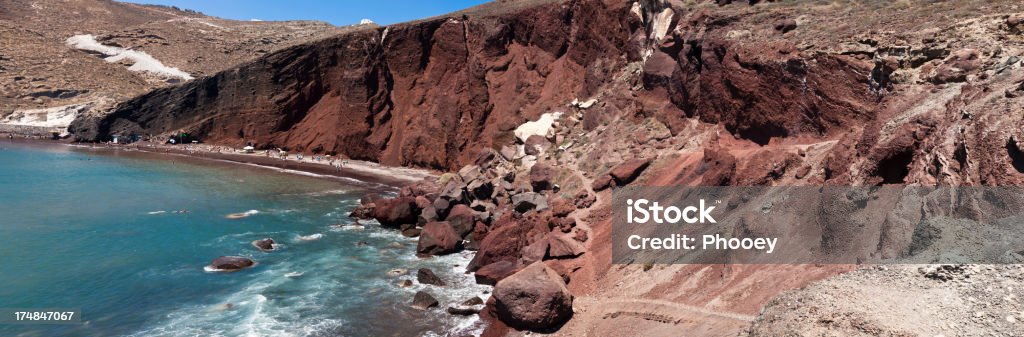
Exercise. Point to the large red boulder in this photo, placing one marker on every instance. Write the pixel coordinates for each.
(626, 172)
(536, 145)
(494, 272)
(438, 238)
(562, 245)
(461, 219)
(601, 182)
(541, 177)
(534, 298)
(396, 212)
(506, 239)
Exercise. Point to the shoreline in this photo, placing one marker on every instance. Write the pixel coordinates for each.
(358, 170)
(379, 178)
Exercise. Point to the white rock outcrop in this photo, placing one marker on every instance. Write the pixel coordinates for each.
(541, 127)
(140, 60)
(662, 24)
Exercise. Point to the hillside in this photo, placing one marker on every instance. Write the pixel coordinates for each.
(110, 51)
(543, 108)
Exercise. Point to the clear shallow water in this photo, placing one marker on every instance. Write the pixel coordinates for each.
(85, 230)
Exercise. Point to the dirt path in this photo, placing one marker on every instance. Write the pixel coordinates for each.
(596, 316)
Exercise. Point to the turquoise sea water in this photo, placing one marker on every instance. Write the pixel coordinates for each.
(98, 232)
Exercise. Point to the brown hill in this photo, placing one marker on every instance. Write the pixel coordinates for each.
(40, 69)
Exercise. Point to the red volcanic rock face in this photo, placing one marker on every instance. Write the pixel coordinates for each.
(435, 92)
(430, 93)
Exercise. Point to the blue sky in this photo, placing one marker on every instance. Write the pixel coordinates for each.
(337, 12)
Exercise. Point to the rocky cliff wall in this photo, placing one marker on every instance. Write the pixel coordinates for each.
(418, 94)
(430, 93)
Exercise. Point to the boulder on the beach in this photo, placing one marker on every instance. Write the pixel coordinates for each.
(463, 311)
(461, 219)
(527, 201)
(423, 301)
(507, 237)
(441, 208)
(395, 212)
(411, 232)
(561, 245)
(438, 238)
(470, 172)
(422, 202)
(534, 298)
(266, 244)
(473, 301)
(535, 251)
(363, 211)
(480, 189)
(494, 272)
(427, 276)
(541, 176)
(479, 233)
(231, 263)
(427, 214)
(454, 190)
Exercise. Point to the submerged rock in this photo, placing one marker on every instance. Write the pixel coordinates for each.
(463, 311)
(231, 263)
(397, 272)
(427, 276)
(473, 301)
(423, 301)
(266, 244)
